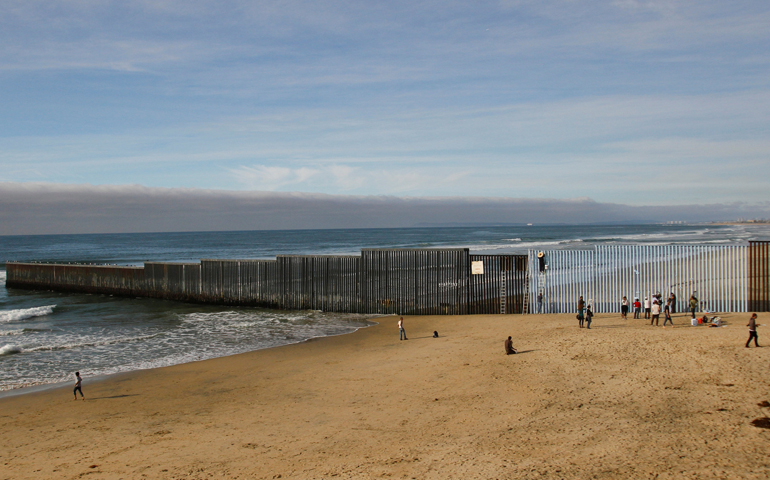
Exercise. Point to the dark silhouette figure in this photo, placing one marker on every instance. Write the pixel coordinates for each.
(752, 330)
(509, 350)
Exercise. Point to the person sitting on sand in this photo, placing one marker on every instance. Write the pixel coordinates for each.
(509, 350)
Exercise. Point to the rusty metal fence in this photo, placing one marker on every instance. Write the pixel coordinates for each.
(439, 281)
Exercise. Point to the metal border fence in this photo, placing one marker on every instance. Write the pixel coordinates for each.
(715, 274)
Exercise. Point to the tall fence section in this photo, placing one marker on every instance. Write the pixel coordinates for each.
(717, 275)
(438, 281)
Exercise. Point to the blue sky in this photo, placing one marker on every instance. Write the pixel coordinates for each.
(640, 103)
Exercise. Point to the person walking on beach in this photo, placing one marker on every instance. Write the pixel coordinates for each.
(752, 330)
(646, 307)
(401, 331)
(580, 308)
(672, 302)
(78, 384)
(624, 308)
(509, 350)
(655, 313)
(667, 314)
(693, 305)
(589, 313)
(637, 308)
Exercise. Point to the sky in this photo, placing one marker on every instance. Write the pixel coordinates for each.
(657, 106)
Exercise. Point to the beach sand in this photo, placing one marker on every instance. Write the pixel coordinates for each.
(622, 400)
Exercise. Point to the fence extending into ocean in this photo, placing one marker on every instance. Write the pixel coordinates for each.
(438, 281)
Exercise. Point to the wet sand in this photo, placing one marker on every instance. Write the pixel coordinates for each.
(622, 400)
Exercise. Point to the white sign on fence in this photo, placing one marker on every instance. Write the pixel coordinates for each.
(477, 268)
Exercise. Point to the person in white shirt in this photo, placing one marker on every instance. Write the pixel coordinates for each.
(401, 331)
(655, 313)
(78, 388)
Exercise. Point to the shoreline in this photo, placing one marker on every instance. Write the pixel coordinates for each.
(29, 389)
(622, 400)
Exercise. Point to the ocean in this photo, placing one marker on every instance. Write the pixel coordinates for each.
(46, 336)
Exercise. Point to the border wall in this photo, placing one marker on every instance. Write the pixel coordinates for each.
(759, 276)
(438, 281)
(387, 281)
(716, 274)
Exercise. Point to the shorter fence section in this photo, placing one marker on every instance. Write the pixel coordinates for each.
(328, 283)
(107, 279)
(387, 281)
(174, 281)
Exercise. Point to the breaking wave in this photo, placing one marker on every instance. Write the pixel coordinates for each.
(9, 349)
(25, 313)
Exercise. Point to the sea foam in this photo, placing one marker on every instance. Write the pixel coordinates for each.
(9, 349)
(25, 313)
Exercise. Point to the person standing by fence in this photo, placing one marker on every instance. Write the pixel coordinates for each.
(401, 331)
(540, 302)
(752, 330)
(624, 308)
(580, 309)
(672, 302)
(637, 308)
(655, 313)
(646, 307)
(589, 313)
(693, 305)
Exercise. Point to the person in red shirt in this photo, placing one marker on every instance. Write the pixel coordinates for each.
(637, 308)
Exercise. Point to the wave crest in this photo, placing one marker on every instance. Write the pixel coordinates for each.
(9, 349)
(97, 343)
(25, 313)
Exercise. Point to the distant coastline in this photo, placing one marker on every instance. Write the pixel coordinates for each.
(743, 222)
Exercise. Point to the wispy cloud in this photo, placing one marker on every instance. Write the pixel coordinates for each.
(632, 101)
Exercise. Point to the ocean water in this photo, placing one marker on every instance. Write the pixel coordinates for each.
(46, 336)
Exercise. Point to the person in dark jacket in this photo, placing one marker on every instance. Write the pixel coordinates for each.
(581, 305)
(589, 313)
(693, 305)
(752, 330)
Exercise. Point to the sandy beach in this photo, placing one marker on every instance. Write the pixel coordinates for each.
(622, 400)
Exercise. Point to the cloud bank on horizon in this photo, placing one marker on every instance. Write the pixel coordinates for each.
(37, 208)
(629, 102)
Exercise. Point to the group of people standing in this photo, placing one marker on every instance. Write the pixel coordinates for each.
(585, 312)
(654, 307)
